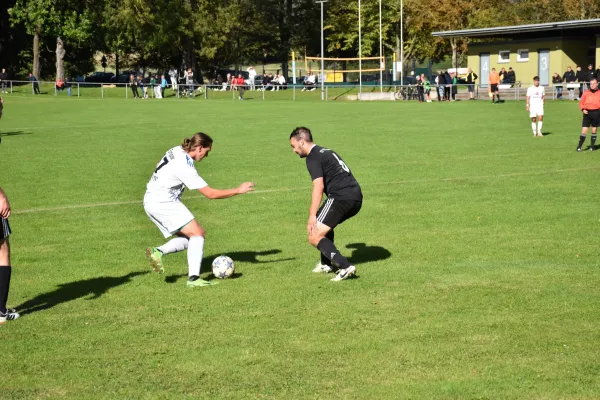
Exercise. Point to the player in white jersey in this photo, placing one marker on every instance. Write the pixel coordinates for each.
(535, 106)
(162, 203)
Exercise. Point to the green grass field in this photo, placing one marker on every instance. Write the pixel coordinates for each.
(477, 254)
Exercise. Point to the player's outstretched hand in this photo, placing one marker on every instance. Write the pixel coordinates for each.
(246, 187)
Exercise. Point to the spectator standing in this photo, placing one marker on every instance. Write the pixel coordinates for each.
(143, 88)
(448, 86)
(510, 76)
(471, 80)
(153, 85)
(163, 86)
(426, 88)
(3, 79)
(420, 90)
(134, 88)
(580, 75)
(454, 85)
(239, 85)
(569, 77)
(440, 81)
(173, 75)
(494, 80)
(68, 86)
(251, 77)
(189, 80)
(35, 84)
(557, 82)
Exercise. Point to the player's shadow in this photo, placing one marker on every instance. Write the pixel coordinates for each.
(241, 256)
(546, 133)
(15, 133)
(362, 253)
(90, 288)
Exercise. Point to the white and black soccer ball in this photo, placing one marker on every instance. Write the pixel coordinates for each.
(223, 267)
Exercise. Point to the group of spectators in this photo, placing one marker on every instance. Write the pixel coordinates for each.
(140, 89)
(571, 77)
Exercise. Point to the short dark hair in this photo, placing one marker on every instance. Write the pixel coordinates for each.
(536, 78)
(303, 133)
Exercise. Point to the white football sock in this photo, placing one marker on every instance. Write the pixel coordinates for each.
(174, 245)
(195, 252)
(533, 127)
(540, 126)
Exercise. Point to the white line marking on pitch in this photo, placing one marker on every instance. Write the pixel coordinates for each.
(452, 179)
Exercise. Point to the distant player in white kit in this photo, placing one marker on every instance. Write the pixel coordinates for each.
(535, 106)
(162, 203)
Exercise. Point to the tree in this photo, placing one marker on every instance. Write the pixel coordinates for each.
(69, 19)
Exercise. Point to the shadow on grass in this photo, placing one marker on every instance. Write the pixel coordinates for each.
(546, 133)
(14, 133)
(362, 253)
(236, 256)
(94, 288)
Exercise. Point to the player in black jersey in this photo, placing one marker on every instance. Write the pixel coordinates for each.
(330, 175)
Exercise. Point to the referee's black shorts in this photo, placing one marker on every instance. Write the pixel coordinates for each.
(592, 118)
(493, 87)
(333, 212)
(4, 228)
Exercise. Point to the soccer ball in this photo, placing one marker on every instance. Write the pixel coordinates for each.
(223, 267)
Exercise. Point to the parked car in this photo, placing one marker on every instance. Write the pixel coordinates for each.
(100, 77)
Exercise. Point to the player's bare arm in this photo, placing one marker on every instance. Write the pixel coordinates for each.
(214, 194)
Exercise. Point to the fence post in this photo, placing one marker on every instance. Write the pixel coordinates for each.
(205, 92)
(11, 89)
(294, 96)
(77, 89)
(326, 93)
(102, 89)
(126, 91)
(263, 92)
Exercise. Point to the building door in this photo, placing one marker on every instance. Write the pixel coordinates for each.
(484, 69)
(544, 67)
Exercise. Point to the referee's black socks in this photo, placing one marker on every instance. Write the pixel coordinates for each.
(5, 271)
(581, 140)
(329, 250)
(593, 141)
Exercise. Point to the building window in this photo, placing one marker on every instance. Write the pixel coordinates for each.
(504, 56)
(522, 55)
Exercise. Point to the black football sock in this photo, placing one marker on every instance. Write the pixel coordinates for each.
(581, 141)
(593, 140)
(327, 248)
(324, 260)
(498, 98)
(5, 272)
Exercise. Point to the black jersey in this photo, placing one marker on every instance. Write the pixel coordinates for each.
(337, 178)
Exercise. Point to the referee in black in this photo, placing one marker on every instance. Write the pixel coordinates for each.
(330, 175)
(6, 314)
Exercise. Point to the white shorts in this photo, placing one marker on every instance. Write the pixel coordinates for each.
(169, 217)
(534, 111)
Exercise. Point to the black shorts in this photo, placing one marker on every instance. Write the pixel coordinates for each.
(4, 228)
(334, 212)
(494, 87)
(592, 118)
(471, 88)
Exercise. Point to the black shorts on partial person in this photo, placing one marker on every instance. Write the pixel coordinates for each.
(4, 228)
(471, 88)
(494, 87)
(592, 118)
(333, 212)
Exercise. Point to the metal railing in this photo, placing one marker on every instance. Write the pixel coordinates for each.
(332, 92)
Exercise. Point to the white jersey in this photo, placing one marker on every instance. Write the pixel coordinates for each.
(173, 173)
(536, 96)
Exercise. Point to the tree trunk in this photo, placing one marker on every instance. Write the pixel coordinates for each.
(60, 63)
(454, 44)
(398, 56)
(36, 53)
(116, 67)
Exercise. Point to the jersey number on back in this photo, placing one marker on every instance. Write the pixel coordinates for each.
(162, 163)
(342, 164)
